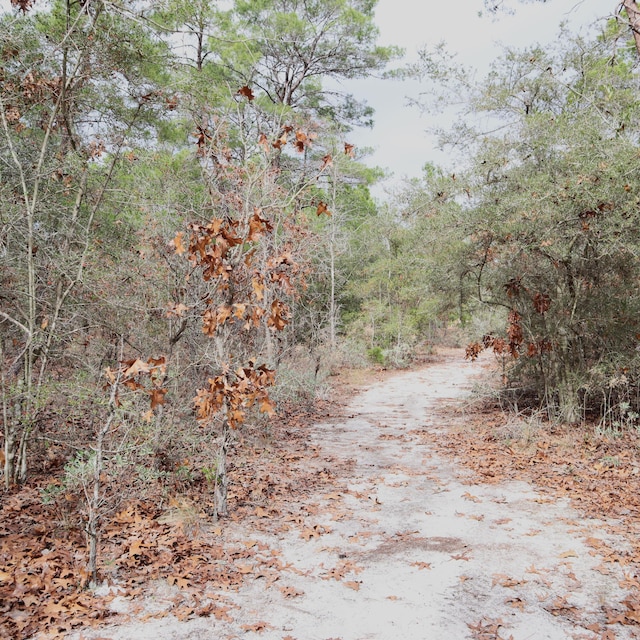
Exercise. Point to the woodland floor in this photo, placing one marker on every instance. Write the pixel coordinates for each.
(410, 509)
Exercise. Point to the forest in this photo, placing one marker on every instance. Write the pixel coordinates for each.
(190, 249)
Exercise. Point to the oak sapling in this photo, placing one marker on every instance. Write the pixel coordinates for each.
(246, 259)
(133, 376)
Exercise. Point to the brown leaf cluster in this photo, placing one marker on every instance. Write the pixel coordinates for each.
(23, 5)
(42, 573)
(235, 393)
(133, 373)
(248, 292)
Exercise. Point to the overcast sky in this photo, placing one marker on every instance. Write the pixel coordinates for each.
(399, 137)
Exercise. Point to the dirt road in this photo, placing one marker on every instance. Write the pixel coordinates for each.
(407, 547)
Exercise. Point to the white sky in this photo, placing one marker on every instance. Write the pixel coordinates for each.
(399, 138)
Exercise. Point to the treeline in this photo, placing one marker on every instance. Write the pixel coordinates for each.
(540, 223)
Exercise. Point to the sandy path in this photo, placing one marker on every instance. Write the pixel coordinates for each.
(408, 548)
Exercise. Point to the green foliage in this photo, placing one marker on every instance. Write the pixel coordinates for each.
(544, 221)
(288, 47)
(376, 355)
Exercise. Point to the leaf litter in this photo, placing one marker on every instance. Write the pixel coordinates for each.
(395, 534)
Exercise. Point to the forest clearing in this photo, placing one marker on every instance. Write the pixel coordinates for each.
(244, 396)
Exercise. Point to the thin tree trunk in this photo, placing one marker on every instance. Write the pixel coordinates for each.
(222, 480)
(333, 307)
(94, 497)
(332, 301)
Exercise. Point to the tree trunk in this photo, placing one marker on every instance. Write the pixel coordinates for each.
(9, 454)
(568, 403)
(94, 494)
(222, 480)
(562, 383)
(333, 312)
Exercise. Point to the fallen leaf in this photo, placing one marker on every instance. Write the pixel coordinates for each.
(183, 583)
(258, 627)
(290, 592)
(505, 581)
(533, 569)
(244, 569)
(179, 244)
(516, 603)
